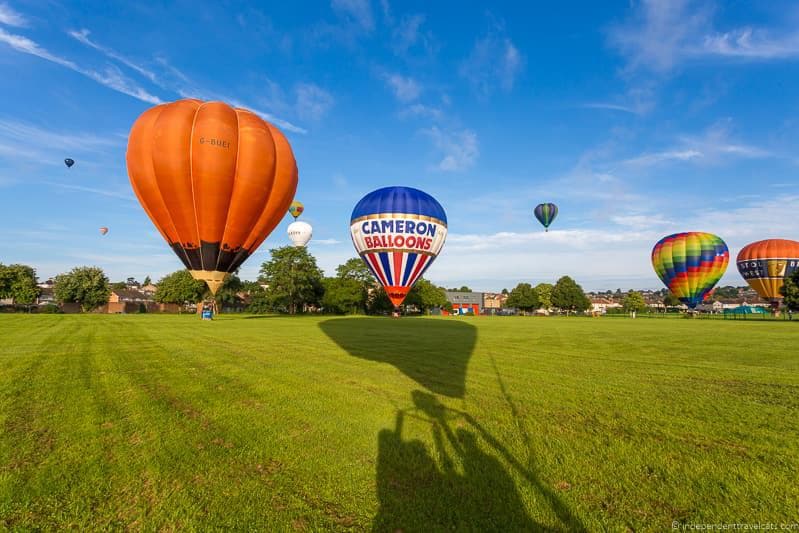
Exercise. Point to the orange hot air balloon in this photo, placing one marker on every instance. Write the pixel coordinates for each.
(103, 230)
(765, 265)
(214, 180)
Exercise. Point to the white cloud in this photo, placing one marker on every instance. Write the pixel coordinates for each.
(421, 111)
(713, 146)
(662, 34)
(494, 60)
(359, 10)
(82, 36)
(111, 78)
(9, 17)
(313, 102)
(405, 89)
(20, 140)
(459, 148)
(605, 258)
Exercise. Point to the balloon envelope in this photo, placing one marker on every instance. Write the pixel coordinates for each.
(765, 265)
(398, 232)
(546, 213)
(69, 162)
(214, 180)
(296, 208)
(300, 233)
(690, 264)
(103, 231)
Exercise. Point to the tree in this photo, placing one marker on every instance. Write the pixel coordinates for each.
(118, 285)
(87, 286)
(180, 288)
(634, 303)
(523, 297)
(426, 296)
(504, 291)
(544, 293)
(228, 293)
(568, 296)
(294, 279)
(463, 288)
(146, 281)
(19, 283)
(670, 300)
(790, 290)
(342, 295)
(356, 270)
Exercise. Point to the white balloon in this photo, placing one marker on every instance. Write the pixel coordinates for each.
(300, 233)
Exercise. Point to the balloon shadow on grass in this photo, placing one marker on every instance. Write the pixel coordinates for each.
(434, 353)
(463, 484)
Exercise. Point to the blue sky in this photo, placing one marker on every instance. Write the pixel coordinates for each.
(639, 119)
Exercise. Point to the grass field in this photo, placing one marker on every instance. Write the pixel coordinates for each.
(166, 422)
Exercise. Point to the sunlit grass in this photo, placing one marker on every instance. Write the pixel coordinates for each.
(154, 422)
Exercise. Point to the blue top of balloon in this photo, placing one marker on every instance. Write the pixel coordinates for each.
(404, 200)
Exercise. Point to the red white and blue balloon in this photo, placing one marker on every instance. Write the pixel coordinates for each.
(398, 232)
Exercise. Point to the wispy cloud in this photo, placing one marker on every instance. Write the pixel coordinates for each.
(359, 11)
(459, 148)
(172, 79)
(111, 77)
(82, 36)
(409, 38)
(421, 111)
(714, 146)
(313, 102)
(494, 60)
(405, 88)
(93, 190)
(660, 35)
(20, 140)
(609, 106)
(325, 242)
(9, 17)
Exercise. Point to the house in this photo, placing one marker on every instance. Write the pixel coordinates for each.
(148, 289)
(135, 301)
(601, 305)
(494, 302)
(465, 302)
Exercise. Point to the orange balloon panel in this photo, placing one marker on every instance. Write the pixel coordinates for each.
(215, 180)
(766, 264)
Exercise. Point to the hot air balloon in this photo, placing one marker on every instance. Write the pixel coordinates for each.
(690, 264)
(300, 233)
(69, 162)
(103, 230)
(214, 180)
(398, 232)
(296, 208)
(546, 213)
(765, 265)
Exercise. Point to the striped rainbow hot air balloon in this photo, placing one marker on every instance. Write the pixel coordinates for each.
(690, 264)
(398, 232)
(765, 265)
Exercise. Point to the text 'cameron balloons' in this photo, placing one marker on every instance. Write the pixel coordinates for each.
(690, 264)
(765, 265)
(300, 233)
(398, 232)
(546, 213)
(69, 162)
(214, 180)
(103, 231)
(296, 208)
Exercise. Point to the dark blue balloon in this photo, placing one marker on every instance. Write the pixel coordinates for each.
(405, 200)
(69, 162)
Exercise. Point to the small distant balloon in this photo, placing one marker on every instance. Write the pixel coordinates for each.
(296, 208)
(69, 162)
(103, 230)
(546, 213)
(300, 233)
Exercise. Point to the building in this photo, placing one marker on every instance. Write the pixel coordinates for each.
(465, 302)
(135, 301)
(601, 305)
(494, 301)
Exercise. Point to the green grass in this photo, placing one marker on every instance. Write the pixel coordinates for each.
(166, 422)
